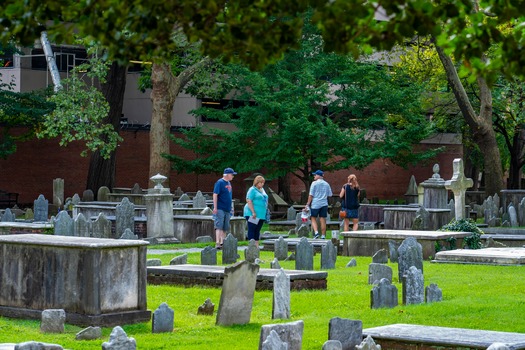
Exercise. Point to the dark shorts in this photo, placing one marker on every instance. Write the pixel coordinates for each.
(222, 220)
(321, 212)
(352, 213)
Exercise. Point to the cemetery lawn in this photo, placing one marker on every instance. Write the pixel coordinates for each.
(474, 296)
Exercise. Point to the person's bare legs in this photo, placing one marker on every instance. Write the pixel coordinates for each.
(346, 223)
(323, 226)
(219, 237)
(314, 225)
(355, 221)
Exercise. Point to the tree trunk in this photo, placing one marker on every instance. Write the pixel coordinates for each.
(480, 125)
(102, 171)
(284, 187)
(516, 159)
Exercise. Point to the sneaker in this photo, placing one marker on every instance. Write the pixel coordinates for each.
(316, 235)
(218, 246)
(323, 237)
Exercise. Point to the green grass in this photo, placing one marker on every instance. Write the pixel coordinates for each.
(474, 296)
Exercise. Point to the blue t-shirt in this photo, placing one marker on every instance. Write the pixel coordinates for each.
(320, 190)
(260, 203)
(223, 189)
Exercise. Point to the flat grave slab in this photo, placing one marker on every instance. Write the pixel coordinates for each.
(317, 243)
(489, 256)
(286, 225)
(407, 336)
(19, 227)
(207, 275)
(510, 240)
(368, 242)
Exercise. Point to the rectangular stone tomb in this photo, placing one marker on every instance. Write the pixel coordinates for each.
(407, 336)
(489, 256)
(318, 244)
(98, 282)
(207, 275)
(368, 242)
(12, 228)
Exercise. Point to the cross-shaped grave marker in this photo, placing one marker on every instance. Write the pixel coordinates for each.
(459, 184)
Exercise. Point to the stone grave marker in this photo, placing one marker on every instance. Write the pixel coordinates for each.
(376, 272)
(153, 262)
(348, 332)
(384, 295)
(291, 214)
(499, 346)
(34, 345)
(29, 214)
(251, 253)
(380, 257)
(136, 189)
(206, 308)
(459, 184)
(421, 222)
(273, 342)
(53, 321)
(204, 239)
(81, 226)
(58, 192)
(88, 196)
(332, 345)
(180, 260)
(184, 197)
(281, 296)
(209, 256)
(206, 211)
(128, 234)
(76, 199)
(274, 264)
(41, 208)
(101, 227)
(304, 255)
(328, 256)
(102, 194)
(513, 215)
(89, 333)
(368, 344)
(303, 231)
(413, 286)
(118, 340)
(280, 248)
(199, 201)
(393, 246)
(8, 216)
(125, 217)
(63, 224)
(162, 319)
(410, 253)
(238, 289)
(433, 293)
(352, 263)
(229, 250)
(290, 333)
(178, 192)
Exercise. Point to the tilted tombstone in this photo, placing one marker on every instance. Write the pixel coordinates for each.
(8, 216)
(290, 333)
(410, 254)
(162, 319)
(280, 248)
(179, 260)
(348, 332)
(383, 295)
(125, 217)
(89, 333)
(393, 246)
(380, 257)
(376, 272)
(303, 231)
(102, 194)
(41, 209)
(209, 256)
(251, 252)
(413, 286)
(88, 196)
(63, 224)
(229, 250)
(352, 263)
(328, 256)
(304, 255)
(281, 296)
(273, 342)
(238, 289)
(101, 227)
(118, 340)
(81, 226)
(433, 293)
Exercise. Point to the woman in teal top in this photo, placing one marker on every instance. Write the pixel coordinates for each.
(255, 208)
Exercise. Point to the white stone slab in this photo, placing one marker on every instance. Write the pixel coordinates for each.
(402, 234)
(443, 336)
(492, 256)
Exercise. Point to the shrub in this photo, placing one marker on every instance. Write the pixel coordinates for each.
(472, 241)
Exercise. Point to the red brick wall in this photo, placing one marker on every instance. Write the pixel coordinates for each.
(31, 170)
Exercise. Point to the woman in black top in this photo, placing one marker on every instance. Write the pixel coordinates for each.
(350, 202)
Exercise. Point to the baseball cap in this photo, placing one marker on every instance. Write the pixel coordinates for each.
(229, 171)
(318, 172)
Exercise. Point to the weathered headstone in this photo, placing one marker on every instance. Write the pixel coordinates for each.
(88, 196)
(291, 214)
(199, 201)
(410, 254)
(304, 255)
(162, 319)
(41, 209)
(303, 231)
(63, 224)
(274, 264)
(206, 211)
(422, 220)
(332, 345)
(499, 346)
(376, 272)
(178, 192)
(459, 184)
(204, 239)
(229, 250)
(281, 296)
(251, 252)
(118, 340)
(76, 199)
(153, 262)
(159, 210)
(29, 214)
(413, 286)
(58, 192)
(125, 217)
(81, 226)
(89, 333)
(368, 344)
(101, 227)
(328, 256)
(184, 197)
(206, 308)
(433, 293)
(352, 263)
(8, 216)
(380, 257)
(128, 234)
(53, 321)
(103, 194)
(136, 189)
(280, 248)
(273, 342)
(393, 246)
(209, 256)
(33, 345)
(290, 333)
(383, 295)
(411, 193)
(348, 332)
(179, 260)
(238, 289)
(512, 215)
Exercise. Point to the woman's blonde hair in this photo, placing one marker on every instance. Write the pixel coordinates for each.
(352, 180)
(258, 179)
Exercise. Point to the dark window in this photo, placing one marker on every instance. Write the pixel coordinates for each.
(66, 58)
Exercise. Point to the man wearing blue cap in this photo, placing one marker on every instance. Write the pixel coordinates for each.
(222, 206)
(320, 190)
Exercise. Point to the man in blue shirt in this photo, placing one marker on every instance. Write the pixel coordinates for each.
(222, 206)
(320, 190)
